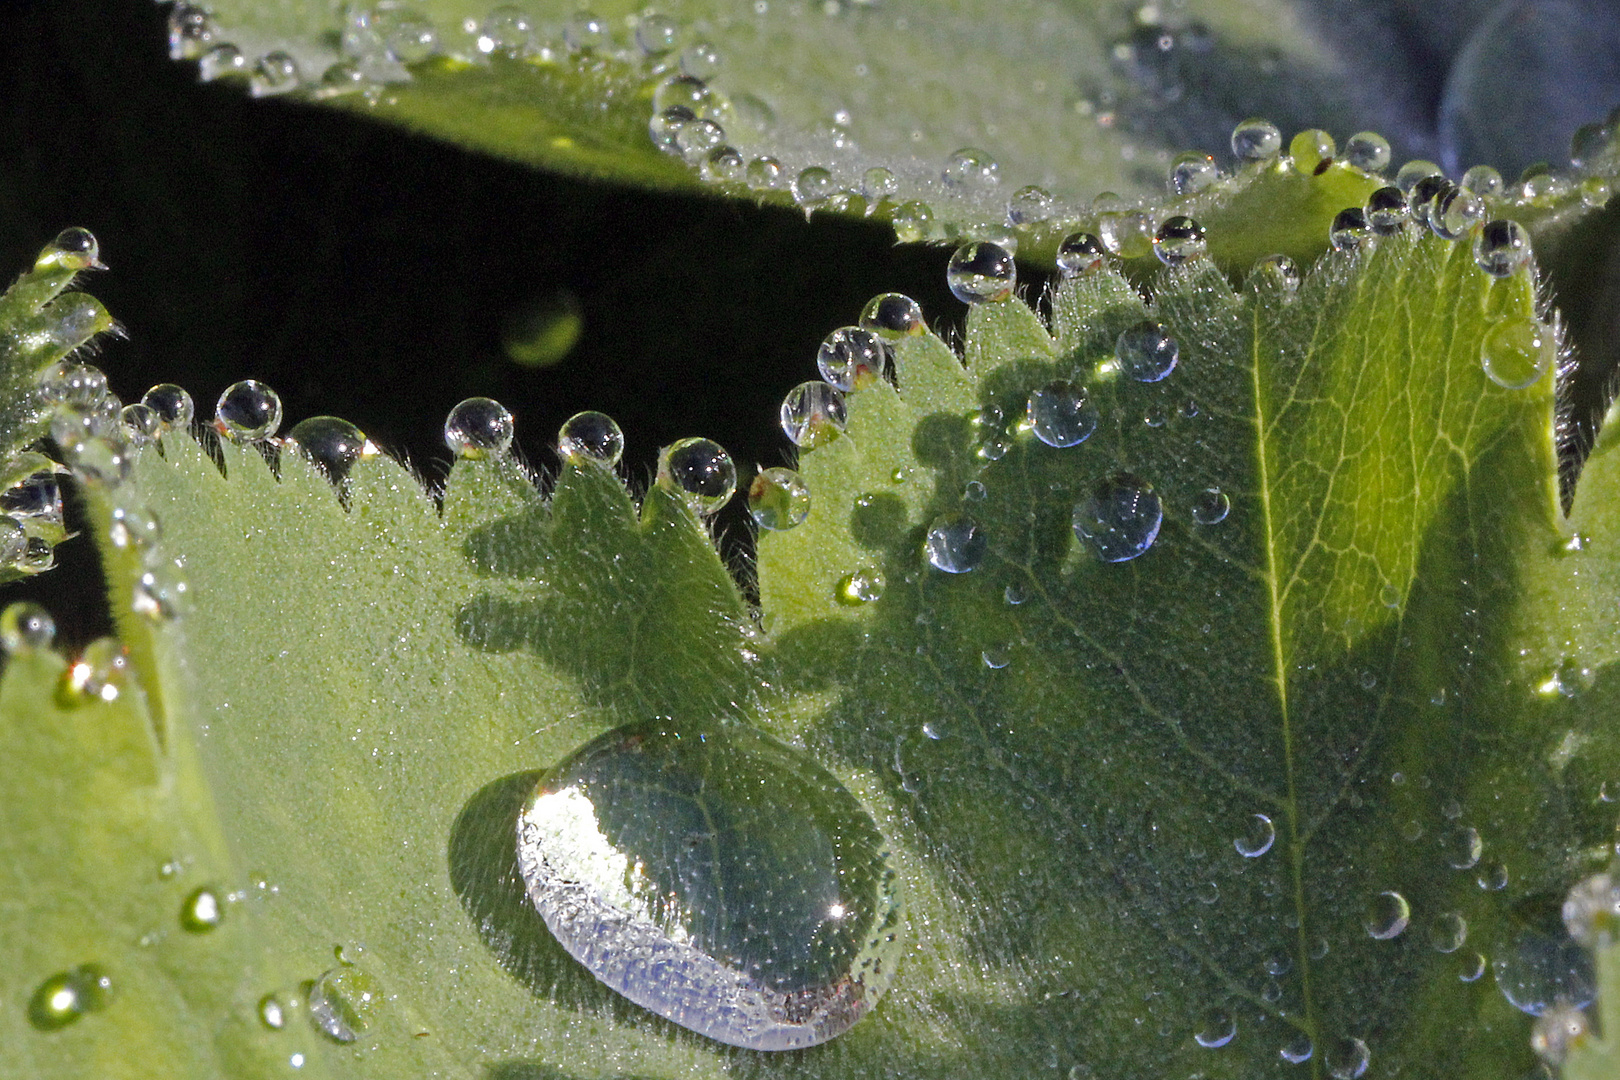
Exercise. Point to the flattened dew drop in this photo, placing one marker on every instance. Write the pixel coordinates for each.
(971, 169)
(1386, 916)
(716, 877)
(1517, 352)
(1216, 1028)
(879, 183)
(778, 499)
(591, 437)
(701, 471)
(202, 910)
(1276, 272)
(332, 444)
(860, 586)
(1461, 847)
(479, 428)
(955, 543)
(813, 187)
(343, 1002)
(1121, 519)
(1211, 506)
(1060, 414)
(1146, 352)
(67, 996)
(1347, 1058)
(1029, 206)
(1257, 838)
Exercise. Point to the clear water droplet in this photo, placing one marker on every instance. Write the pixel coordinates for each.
(73, 248)
(1257, 838)
(701, 60)
(68, 995)
(1256, 140)
(1178, 240)
(913, 222)
(1121, 519)
(1060, 414)
(1216, 1028)
(1029, 206)
(695, 139)
(852, 358)
(1517, 352)
(478, 428)
(981, 273)
(248, 411)
(1296, 1050)
(766, 173)
(778, 499)
(585, 33)
(657, 34)
(1146, 352)
(893, 316)
(1462, 847)
(1484, 181)
(1470, 967)
(1386, 211)
(813, 186)
(221, 61)
(172, 405)
(1539, 967)
(159, 594)
(1407, 176)
(275, 73)
(879, 183)
(861, 586)
(202, 910)
(141, 423)
(332, 444)
(1350, 230)
(666, 124)
(971, 169)
(343, 1002)
(1192, 172)
(1386, 916)
(1448, 932)
(974, 491)
(507, 31)
(25, 627)
(1126, 233)
(192, 32)
(69, 382)
(591, 437)
(1367, 150)
(272, 1012)
(1347, 1059)
(633, 852)
(1312, 151)
(813, 414)
(1492, 877)
(955, 543)
(996, 657)
(1502, 248)
(133, 527)
(1455, 212)
(1080, 253)
(701, 471)
(1276, 272)
(723, 165)
(1211, 506)
(1014, 594)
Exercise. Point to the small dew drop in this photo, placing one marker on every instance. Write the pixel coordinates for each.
(1367, 150)
(996, 657)
(1386, 211)
(893, 316)
(248, 411)
(701, 60)
(1147, 352)
(1211, 506)
(765, 173)
(1424, 194)
(1192, 172)
(852, 358)
(1029, 206)
(1386, 916)
(591, 437)
(701, 471)
(1121, 519)
(1408, 175)
(723, 165)
(657, 34)
(813, 414)
(1502, 248)
(67, 996)
(222, 61)
(1312, 151)
(1276, 272)
(25, 627)
(981, 273)
(1517, 352)
(1060, 415)
(1349, 230)
(955, 544)
(913, 222)
(1179, 240)
(1296, 1051)
(860, 586)
(343, 1002)
(1080, 253)
(1126, 233)
(585, 33)
(1216, 1028)
(971, 169)
(879, 183)
(1257, 839)
(1014, 595)
(778, 499)
(201, 911)
(1471, 966)
(272, 1012)
(1455, 212)
(275, 73)
(1448, 932)
(1462, 847)
(1492, 877)
(478, 428)
(1256, 140)
(508, 31)
(813, 187)
(1347, 1059)
(1484, 181)
(172, 404)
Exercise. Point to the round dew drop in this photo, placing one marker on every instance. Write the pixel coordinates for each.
(1517, 352)
(765, 173)
(716, 877)
(25, 627)
(1258, 838)
(1298, 1050)
(592, 437)
(1192, 172)
(1502, 248)
(1386, 211)
(1347, 1059)
(1349, 230)
(981, 273)
(201, 911)
(343, 1002)
(852, 358)
(67, 996)
(813, 414)
(332, 444)
(1256, 140)
(585, 32)
(1029, 206)
(1367, 150)
(666, 124)
(1407, 176)
(694, 139)
(1080, 253)
(971, 169)
(221, 62)
(1312, 151)
(509, 31)
(1386, 916)
(1126, 233)
(778, 499)
(1216, 1029)
(1455, 211)
(1484, 181)
(814, 186)
(478, 428)
(275, 73)
(1060, 414)
(913, 222)
(1277, 272)
(1424, 194)
(1211, 506)
(248, 411)
(701, 471)
(955, 544)
(878, 183)
(701, 60)
(1146, 352)
(656, 35)
(1178, 240)
(141, 423)
(1121, 519)
(1448, 932)
(172, 404)
(723, 165)
(893, 316)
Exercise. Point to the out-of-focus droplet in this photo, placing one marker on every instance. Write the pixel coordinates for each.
(1147, 352)
(1192, 172)
(1367, 150)
(1029, 206)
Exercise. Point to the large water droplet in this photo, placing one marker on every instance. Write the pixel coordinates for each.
(1386, 916)
(1178, 240)
(1386, 211)
(778, 499)
(343, 1001)
(1256, 140)
(852, 358)
(955, 543)
(813, 414)
(1060, 414)
(1312, 151)
(981, 273)
(1296, 1050)
(1517, 352)
(1502, 248)
(1080, 253)
(479, 427)
(1146, 352)
(717, 877)
(591, 437)
(172, 404)
(1216, 1028)
(1121, 519)
(26, 627)
(1347, 1059)
(248, 411)
(1484, 181)
(1539, 968)
(67, 996)
(1367, 150)
(1462, 847)
(701, 471)
(1257, 838)
(893, 316)
(332, 444)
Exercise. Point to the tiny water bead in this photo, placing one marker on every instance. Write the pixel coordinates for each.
(1256, 140)
(852, 358)
(272, 1012)
(861, 586)
(1448, 932)
(1386, 916)
(73, 249)
(1211, 506)
(1367, 150)
(879, 183)
(1347, 1059)
(955, 543)
(1146, 352)
(981, 273)
(1192, 172)
(1029, 206)
(248, 411)
(778, 499)
(343, 1002)
(971, 169)
(717, 877)
(68, 995)
(814, 186)
(1517, 352)
(1455, 212)
(1216, 1028)
(25, 627)
(1121, 519)
(1060, 414)
(1386, 211)
(201, 910)
(1080, 253)
(1484, 181)
(332, 444)
(1257, 838)
(1276, 272)
(1502, 248)
(813, 414)
(701, 471)
(478, 428)
(592, 437)
(1349, 230)
(172, 404)
(1312, 151)
(765, 172)
(1178, 240)
(893, 316)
